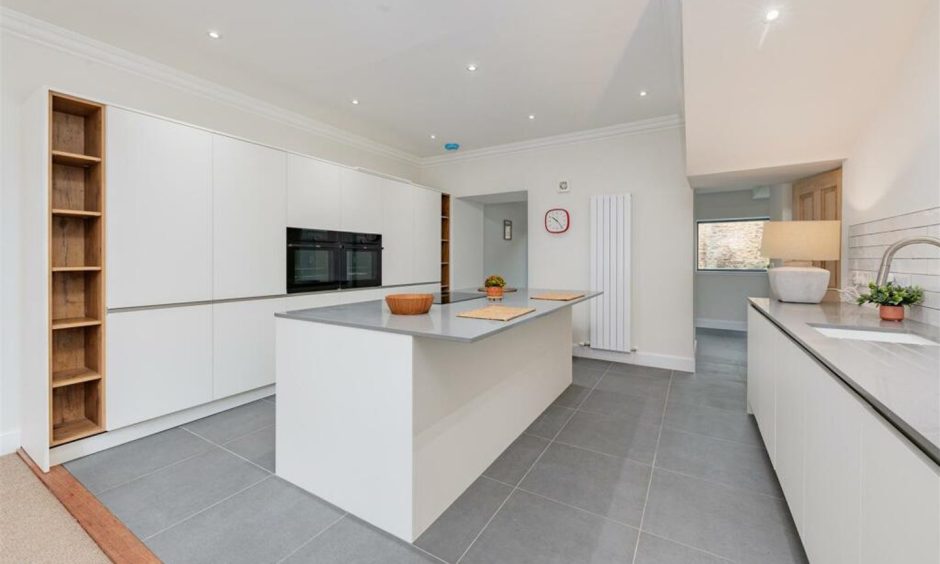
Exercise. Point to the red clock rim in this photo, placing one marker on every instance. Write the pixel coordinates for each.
(567, 214)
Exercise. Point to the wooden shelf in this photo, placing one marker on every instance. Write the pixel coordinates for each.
(76, 269)
(74, 430)
(74, 159)
(74, 322)
(73, 376)
(76, 213)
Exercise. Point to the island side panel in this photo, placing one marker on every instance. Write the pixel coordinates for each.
(471, 400)
(344, 420)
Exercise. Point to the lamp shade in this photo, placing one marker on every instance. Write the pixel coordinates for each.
(801, 240)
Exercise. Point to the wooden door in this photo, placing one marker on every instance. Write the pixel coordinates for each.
(819, 198)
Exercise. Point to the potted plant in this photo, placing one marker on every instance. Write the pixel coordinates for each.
(494, 285)
(891, 299)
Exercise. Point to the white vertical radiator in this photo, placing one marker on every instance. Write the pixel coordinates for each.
(610, 272)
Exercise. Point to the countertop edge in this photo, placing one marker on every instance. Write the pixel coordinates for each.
(925, 445)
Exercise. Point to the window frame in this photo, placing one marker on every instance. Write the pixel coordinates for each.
(698, 222)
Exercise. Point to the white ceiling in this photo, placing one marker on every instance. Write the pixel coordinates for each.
(575, 65)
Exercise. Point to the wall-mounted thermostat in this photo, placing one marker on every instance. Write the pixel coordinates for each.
(563, 186)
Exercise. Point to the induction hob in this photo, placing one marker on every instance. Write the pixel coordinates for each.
(454, 297)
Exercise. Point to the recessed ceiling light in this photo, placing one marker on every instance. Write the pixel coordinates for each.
(214, 34)
(531, 116)
(433, 136)
(355, 101)
(643, 92)
(771, 15)
(471, 67)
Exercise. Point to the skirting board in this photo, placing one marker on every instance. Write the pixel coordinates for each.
(9, 442)
(667, 361)
(725, 324)
(97, 443)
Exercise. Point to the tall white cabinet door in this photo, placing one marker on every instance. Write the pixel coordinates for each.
(158, 228)
(361, 201)
(249, 203)
(833, 470)
(427, 239)
(243, 345)
(314, 199)
(794, 366)
(159, 362)
(398, 233)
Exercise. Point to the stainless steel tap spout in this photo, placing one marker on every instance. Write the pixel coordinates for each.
(886, 259)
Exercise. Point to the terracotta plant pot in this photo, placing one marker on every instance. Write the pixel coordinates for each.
(891, 313)
(494, 292)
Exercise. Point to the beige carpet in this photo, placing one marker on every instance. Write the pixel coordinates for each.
(34, 527)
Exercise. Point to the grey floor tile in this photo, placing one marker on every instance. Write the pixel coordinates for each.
(262, 524)
(722, 371)
(607, 485)
(449, 536)
(257, 447)
(637, 370)
(516, 460)
(164, 498)
(352, 541)
(615, 435)
(635, 384)
(550, 422)
(586, 377)
(704, 389)
(649, 410)
(533, 530)
(734, 464)
(115, 466)
(272, 398)
(732, 523)
(654, 550)
(592, 363)
(572, 396)
(712, 422)
(223, 427)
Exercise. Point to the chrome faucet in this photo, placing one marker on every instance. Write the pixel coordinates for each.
(886, 259)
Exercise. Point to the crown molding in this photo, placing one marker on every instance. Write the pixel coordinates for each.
(624, 129)
(68, 41)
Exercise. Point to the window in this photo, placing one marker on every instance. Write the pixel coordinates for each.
(731, 245)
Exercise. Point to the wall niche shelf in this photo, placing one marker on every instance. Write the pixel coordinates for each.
(76, 269)
(445, 243)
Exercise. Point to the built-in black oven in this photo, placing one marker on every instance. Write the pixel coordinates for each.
(330, 260)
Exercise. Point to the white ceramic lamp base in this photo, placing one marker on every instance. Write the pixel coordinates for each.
(800, 284)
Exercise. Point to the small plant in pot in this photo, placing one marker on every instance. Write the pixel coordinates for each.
(891, 299)
(494, 285)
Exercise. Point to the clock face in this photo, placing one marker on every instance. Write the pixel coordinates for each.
(557, 220)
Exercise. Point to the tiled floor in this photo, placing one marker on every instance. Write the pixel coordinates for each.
(629, 465)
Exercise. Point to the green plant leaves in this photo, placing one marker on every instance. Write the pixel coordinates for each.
(892, 294)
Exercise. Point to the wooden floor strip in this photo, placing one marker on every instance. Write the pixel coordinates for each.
(115, 539)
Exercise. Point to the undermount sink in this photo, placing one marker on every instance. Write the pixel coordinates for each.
(870, 334)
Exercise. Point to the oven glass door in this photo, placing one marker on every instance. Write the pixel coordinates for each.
(363, 266)
(313, 267)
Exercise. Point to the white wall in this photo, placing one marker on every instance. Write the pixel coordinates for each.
(506, 258)
(721, 297)
(28, 65)
(650, 165)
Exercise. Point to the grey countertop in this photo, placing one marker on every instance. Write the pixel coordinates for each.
(900, 381)
(439, 323)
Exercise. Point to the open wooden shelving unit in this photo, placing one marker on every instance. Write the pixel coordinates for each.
(445, 243)
(76, 269)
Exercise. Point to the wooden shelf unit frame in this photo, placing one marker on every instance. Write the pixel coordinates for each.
(445, 242)
(76, 268)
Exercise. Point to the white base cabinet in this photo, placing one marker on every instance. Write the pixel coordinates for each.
(857, 489)
(243, 345)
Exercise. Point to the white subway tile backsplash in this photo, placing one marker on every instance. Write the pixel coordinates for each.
(917, 265)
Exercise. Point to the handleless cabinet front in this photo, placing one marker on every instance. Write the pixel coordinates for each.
(427, 238)
(314, 200)
(398, 231)
(158, 198)
(249, 206)
(243, 345)
(361, 196)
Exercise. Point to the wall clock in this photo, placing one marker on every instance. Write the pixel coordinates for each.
(557, 220)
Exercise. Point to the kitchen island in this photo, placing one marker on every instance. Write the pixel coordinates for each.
(392, 417)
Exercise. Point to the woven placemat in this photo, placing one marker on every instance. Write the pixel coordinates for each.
(496, 312)
(558, 296)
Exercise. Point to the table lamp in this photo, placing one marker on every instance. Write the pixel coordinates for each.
(799, 243)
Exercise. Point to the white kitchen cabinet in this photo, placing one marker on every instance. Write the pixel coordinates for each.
(159, 362)
(398, 232)
(361, 201)
(314, 197)
(243, 345)
(427, 237)
(158, 202)
(249, 192)
(900, 498)
(790, 439)
(761, 378)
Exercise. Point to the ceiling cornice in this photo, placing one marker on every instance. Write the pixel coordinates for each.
(45, 33)
(631, 128)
